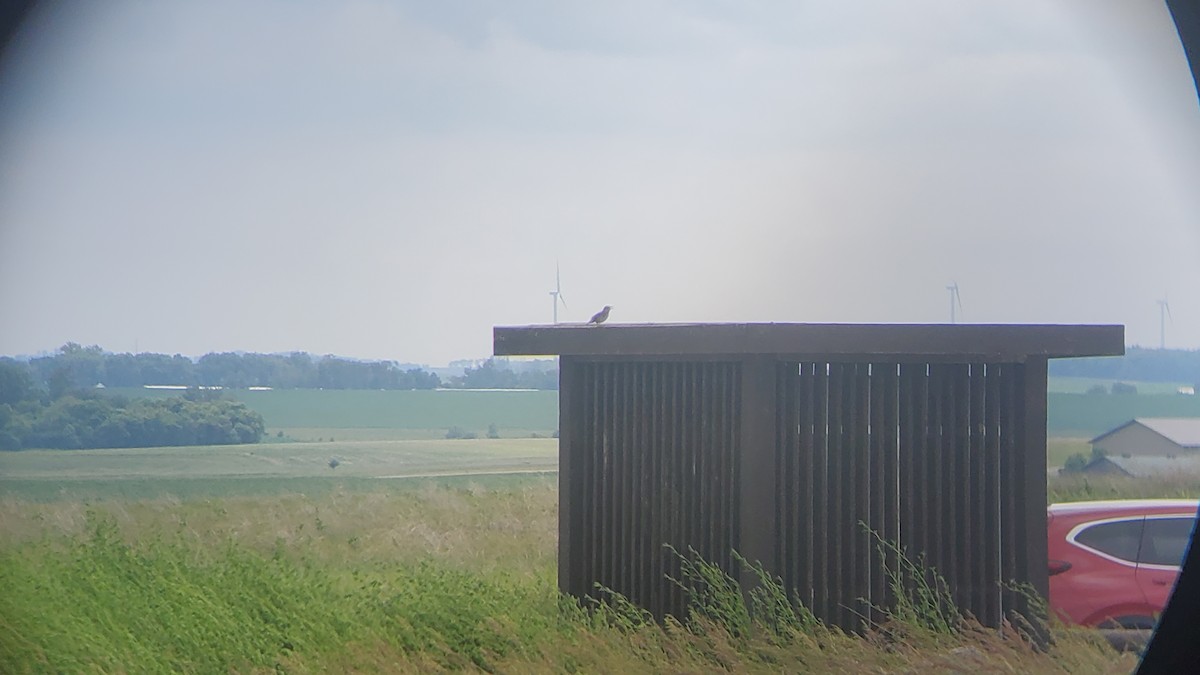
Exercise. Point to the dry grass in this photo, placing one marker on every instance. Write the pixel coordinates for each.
(473, 528)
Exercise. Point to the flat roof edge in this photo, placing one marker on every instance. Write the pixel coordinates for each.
(998, 342)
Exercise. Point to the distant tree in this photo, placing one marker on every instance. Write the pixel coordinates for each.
(1076, 463)
(60, 382)
(1138, 364)
(459, 432)
(77, 367)
(1097, 389)
(493, 431)
(1123, 388)
(87, 420)
(16, 383)
(492, 374)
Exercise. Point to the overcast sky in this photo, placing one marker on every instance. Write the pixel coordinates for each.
(392, 179)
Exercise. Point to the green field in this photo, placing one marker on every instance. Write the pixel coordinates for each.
(261, 469)
(395, 415)
(1089, 415)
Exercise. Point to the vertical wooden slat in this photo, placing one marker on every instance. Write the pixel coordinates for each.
(671, 487)
(962, 496)
(569, 487)
(1010, 433)
(733, 476)
(934, 491)
(638, 522)
(805, 458)
(837, 489)
(916, 536)
(992, 449)
(665, 501)
(821, 500)
(859, 501)
(614, 480)
(757, 449)
(911, 376)
(892, 482)
(785, 525)
(691, 460)
(595, 465)
(977, 533)
(1030, 488)
(878, 490)
(952, 484)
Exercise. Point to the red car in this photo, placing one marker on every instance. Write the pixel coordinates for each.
(1113, 564)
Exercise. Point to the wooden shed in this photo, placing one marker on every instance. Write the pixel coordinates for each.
(798, 445)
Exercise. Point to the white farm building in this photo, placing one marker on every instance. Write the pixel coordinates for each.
(1152, 437)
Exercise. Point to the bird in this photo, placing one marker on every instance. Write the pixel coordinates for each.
(601, 316)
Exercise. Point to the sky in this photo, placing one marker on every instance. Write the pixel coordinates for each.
(390, 180)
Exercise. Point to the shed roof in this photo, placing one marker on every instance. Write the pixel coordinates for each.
(1182, 431)
(953, 342)
(1145, 466)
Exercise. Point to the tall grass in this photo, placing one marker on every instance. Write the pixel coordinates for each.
(166, 606)
(442, 578)
(1075, 487)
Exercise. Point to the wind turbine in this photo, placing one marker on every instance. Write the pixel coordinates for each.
(955, 300)
(556, 294)
(1164, 313)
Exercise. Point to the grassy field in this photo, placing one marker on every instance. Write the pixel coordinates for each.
(272, 468)
(380, 579)
(263, 558)
(1058, 449)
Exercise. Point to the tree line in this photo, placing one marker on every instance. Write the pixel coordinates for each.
(1138, 364)
(30, 417)
(74, 366)
(493, 375)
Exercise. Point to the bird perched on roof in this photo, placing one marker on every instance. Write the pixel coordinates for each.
(601, 316)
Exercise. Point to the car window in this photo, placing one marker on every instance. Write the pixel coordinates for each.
(1119, 539)
(1165, 540)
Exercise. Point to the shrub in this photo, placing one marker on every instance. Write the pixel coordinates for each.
(459, 432)
(1123, 388)
(1075, 463)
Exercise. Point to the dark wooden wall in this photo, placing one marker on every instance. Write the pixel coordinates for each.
(807, 467)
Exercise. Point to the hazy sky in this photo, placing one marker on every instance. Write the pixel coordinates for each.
(392, 179)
